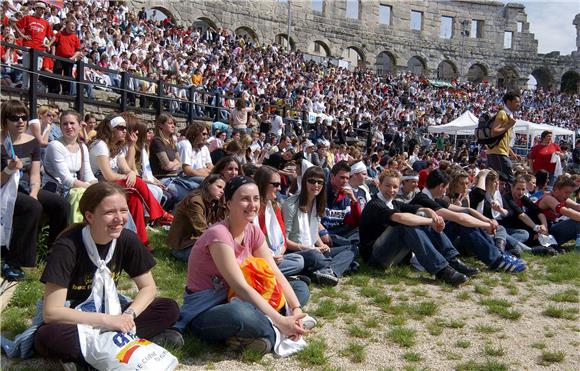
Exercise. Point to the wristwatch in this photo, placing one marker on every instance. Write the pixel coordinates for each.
(131, 312)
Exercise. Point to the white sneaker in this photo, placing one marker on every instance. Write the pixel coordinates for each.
(308, 322)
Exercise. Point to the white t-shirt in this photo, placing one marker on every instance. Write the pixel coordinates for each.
(99, 148)
(197, 159)
(61, 165)
(277, 125)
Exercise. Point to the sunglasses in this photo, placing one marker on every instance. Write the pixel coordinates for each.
(17, 118)
(275, 184)
(315, 181)
(121, 128)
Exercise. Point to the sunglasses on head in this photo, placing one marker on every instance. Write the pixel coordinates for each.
(17, 118)
(315, 181)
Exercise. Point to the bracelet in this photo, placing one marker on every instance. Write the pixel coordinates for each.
(537, 227)
(9, 171)
(296, 307)
(323, 232)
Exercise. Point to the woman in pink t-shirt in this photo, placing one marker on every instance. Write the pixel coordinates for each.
(214, 265)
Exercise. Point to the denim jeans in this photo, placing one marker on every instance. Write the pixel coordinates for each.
(338, 259)
(182, 254)
(474, 241)
(432, 249)
(565, 231)
(515, 235)
(240, 319)
(292, 264)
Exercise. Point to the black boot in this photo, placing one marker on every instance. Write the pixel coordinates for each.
(451, 276)
(461, 267)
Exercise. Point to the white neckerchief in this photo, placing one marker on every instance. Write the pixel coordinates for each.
(490, 198)
(308, 226)
(389, 203)
(273, 230)
(103, 282)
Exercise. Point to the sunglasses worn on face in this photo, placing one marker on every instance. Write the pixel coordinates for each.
(275, 184)
(17, 118)
(121, 128)
(315, 181)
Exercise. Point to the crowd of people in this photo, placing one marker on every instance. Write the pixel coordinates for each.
(302, 202)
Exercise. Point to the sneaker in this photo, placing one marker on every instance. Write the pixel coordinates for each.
(509, 263)
(12, 273)
(461, 267)
(309, 322)
(544, 250)
(325, 277)
(451, 276)
(300, 277)
(261, 346)
(68, 366)
(169, 337)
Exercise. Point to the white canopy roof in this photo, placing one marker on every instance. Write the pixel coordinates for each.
(467, 122)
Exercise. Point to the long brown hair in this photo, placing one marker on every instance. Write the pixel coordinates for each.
(215, 210)
(160, 120)
(314, 172)
(105, 133)
(263, 177)
(193, 131)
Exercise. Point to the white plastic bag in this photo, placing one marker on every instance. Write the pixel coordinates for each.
(546, 240)
(8, 194)
(118, 351)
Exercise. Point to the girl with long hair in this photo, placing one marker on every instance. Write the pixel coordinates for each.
(200, 209)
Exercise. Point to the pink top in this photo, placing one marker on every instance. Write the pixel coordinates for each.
(202, 272)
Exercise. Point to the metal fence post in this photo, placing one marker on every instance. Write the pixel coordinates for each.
(33, 81)
(159, 105)
(80, 98)
(191, 106)
(124, 86)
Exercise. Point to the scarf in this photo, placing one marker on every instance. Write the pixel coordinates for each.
(146, 171)
(497, 198)
(308, 222)
(273, 230)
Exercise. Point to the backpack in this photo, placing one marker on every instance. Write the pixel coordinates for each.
(483, 130)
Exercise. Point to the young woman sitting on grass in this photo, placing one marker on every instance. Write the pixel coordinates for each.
(70, 271)
(200, 209)
(214, 266)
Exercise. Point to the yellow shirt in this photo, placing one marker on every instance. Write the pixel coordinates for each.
(196, 80)
(503, 147)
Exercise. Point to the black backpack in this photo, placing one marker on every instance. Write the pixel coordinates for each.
(483, 131)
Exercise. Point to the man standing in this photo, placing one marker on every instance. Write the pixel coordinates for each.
(67, 45)
(34, 29)
(498, 157)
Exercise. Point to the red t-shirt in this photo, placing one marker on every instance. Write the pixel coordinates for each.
(542, 155)
(66, 44)
(37, 29)
(423, 174)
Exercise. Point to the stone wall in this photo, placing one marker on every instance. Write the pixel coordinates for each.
(338, 35)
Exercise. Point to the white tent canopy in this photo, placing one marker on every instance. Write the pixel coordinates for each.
(467, 122)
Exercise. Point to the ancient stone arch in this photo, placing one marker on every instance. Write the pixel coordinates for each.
(166, 12)
(355, 56)
(477, 73)
(282, 39)
(205, 23)
(570, 82)
(417, 65)
(544, 78)
(508, 77)
(447, 71)
(248, 33)
(320, 48)
(386, 62)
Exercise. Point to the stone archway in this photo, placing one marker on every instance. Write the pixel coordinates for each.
(159, 13)
(282, 40)
(544, 78)
(447, 71)
(570, 82)
(477, 73)
(386, 63)
(205, 23)
(417, 65)
(355, 56)
(320, 48)
(508, 77)
(248, 34)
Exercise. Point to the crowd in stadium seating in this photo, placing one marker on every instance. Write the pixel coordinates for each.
(310, 200)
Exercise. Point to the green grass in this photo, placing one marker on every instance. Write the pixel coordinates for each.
(463, 296)
(538, 345)
(402, 336)
(326, 309)
(373, 322)
(356, 331)
(412, 357)
(423, 309)
(552, 357)
(398, 320)
(563, 268)
(349, 308)
(561, 312)
(370, 292)
(492, 351)
(482, 290)
(501, 307)
(314, 354)
(359, 280)
(486, 329)
(382, 299)
(355, 352)
(331, 292)
(485, 366)
(435, 328)
(566, 296)
(464, 344)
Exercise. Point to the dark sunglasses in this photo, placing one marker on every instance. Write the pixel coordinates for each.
(315, 181)
(17, 118)
(275, 184)
(121, 128)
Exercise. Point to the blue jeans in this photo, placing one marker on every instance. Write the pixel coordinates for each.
(292, 264)
(240, 319)
(515, 235)
(474, 241)
(431, 248)
(338, 259)
(182, 254)
(565, 231)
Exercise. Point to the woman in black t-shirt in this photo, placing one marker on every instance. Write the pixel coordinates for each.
(20, 152)
(69, 273)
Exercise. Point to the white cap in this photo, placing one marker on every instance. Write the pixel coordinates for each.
(117, 121)
(359, 167)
